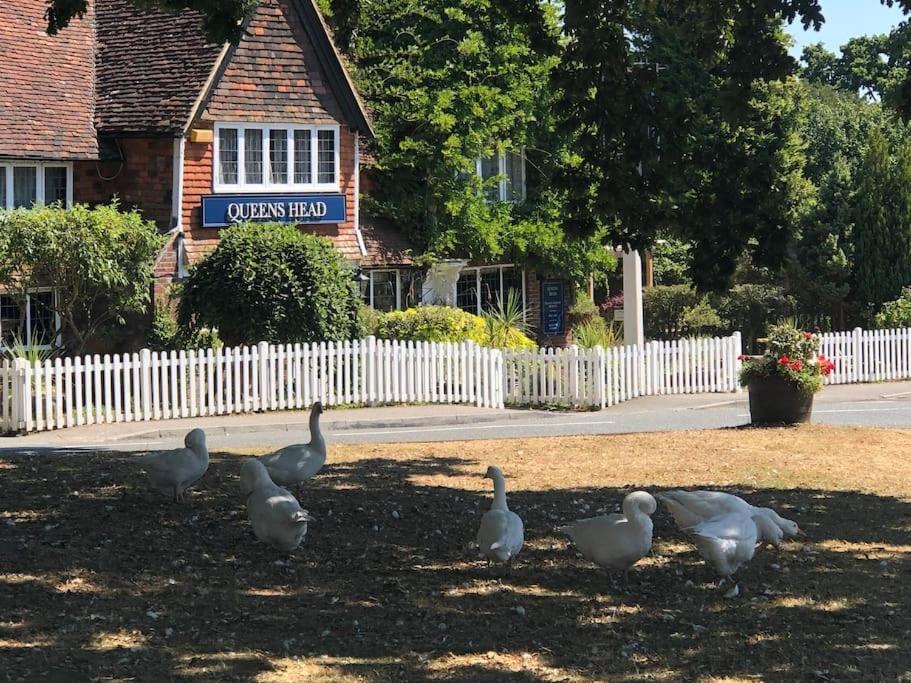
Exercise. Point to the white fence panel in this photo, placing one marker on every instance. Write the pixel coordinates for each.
(868, 355)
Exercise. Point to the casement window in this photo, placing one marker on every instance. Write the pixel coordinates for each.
(25, 183)
(275, 157)
(506, 175)
(35, 324)
(481, 289)
(392, 290)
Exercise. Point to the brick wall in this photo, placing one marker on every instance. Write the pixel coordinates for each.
(142, 180)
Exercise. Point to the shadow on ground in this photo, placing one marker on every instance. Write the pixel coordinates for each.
(100, 578)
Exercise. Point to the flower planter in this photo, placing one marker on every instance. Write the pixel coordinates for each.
(774, 400)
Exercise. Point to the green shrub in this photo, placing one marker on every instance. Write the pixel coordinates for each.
(271, 282)
(597, 332)
(445, 324)
(166, 334)
(368, 320)
(583, 310)
(676, 311)
(895, 313)
(752, 308)
(504, 324)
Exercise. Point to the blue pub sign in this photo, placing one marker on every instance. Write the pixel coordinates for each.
(221, 210)
(553, 307)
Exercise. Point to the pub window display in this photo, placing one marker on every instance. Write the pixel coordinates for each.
(275, 157)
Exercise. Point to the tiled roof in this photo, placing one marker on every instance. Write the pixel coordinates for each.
(152, 67)
(46, 85)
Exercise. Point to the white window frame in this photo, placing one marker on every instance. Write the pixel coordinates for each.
(501, 169)
(267, 185)
(28, 321)
(399, 293)
(39, 167)
(477, 273)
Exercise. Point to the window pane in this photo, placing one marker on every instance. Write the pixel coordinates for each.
(512, 281)
(412, 288)
(515, 176)
(383, 290)
(10, 323)
(325, 156)
(490, 168)
(25, 185)
(303, 173)
(253, 156)
(490, 288)
(2, 187)
(54, 185)
(42, 319)
(467, 291)
(278, 156)
(227, 156)
(364, 286)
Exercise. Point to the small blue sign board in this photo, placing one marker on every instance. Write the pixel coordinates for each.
(553, 307)
(220, 210)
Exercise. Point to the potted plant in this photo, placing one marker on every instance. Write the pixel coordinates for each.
(783, 380)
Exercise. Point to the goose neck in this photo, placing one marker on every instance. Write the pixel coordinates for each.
(499, 493)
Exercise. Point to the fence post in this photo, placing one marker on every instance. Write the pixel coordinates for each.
(265, 386)
(857, 353)
(21, 404)
(573, 374)
(736, 352)
(600, 379)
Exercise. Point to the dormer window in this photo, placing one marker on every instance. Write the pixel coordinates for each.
(509, 170)
(276, 157)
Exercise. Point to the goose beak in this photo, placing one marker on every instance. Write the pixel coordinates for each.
(801, 533)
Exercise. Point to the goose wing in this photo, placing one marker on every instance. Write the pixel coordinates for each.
(494, 535)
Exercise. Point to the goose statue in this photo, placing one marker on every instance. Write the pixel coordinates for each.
(276, 516)
(296, 463)
(726, 542)
(688, 508)
(502, 533)
(173, 472)
(616, 541)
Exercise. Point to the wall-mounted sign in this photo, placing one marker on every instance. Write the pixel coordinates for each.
(220, 210)
(553, 307)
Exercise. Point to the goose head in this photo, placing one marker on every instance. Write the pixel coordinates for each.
(317, 408)
(769, 531)
(788, 526)
(195, 440)
(252, 473)
(639, 502)
(493, 472)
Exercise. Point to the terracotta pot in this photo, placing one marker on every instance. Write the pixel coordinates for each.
(774, 400)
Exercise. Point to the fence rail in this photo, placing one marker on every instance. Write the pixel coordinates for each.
(867, 355)
(603, 377)
(159, 386)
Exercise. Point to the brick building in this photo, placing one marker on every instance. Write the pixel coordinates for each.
(136, 104)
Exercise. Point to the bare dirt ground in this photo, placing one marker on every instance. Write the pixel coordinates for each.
(100, 579)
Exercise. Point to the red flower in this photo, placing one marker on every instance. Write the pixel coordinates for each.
(796, 365)
(741, 357)
(784, 360)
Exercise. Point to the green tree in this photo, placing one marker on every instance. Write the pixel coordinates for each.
(98, 262)
(452, 82)
(271, 282)
(677, 130)
(881, 250)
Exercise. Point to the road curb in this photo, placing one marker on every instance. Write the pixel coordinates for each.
(339, 425)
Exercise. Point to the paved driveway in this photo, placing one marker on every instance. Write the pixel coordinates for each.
(874, 405)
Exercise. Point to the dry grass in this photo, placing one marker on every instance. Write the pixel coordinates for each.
(100, 579)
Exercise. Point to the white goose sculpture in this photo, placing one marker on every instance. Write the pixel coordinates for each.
(726, 542)
(276, 516)
(296, 463)
(502, 533)
(616, 541)
(692, 507)
(173, 472)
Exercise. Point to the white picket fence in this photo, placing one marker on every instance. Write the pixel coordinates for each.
(603, 377)
(159, 386)
(868, 355)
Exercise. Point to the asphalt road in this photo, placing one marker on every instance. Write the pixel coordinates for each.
(872, 405)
